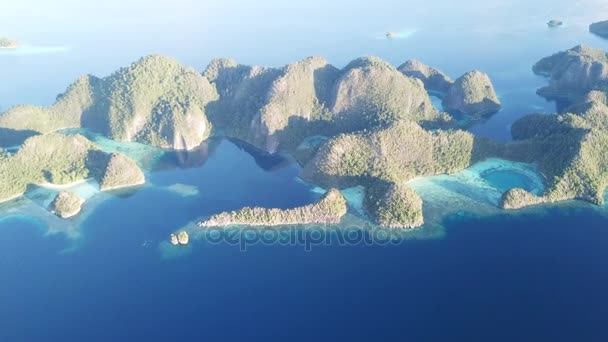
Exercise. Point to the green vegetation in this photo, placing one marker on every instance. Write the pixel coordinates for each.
(67, 111)
(270, 108)
(383, 159)
(372, 93)
(328, 210)
(472, 94)
(433, 79)
(51, 158)
(66, 204)
(573, 73)
(121, 172)
(159, 102)
(519, 198)
(377, 126)
(570, 150)
(394, 205)
(60, 159)
(276, 109)
(154, 101)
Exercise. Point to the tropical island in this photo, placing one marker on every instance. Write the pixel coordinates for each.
(328, 210)
(599, 28)
(66, 204)
(6, 43)
(374, 125)
(60, 159)
(554, 23)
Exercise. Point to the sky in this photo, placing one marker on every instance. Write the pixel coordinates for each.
(60, 16)
(98, 37)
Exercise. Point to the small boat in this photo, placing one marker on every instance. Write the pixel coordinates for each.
(390, 35)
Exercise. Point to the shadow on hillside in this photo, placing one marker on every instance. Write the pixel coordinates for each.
(11, 137)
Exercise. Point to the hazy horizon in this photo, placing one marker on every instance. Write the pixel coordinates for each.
(70, 38)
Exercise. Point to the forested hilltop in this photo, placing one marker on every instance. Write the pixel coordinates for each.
(373, 125)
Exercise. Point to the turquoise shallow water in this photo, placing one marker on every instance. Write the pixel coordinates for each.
(473, 273)
(483, 274)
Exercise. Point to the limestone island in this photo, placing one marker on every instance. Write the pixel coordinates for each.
(471, 95)
(121, 172)
(573, 73)
(6, 43)
(374, 125)
(569, 148)
(60, 160)
(328, 210)
(66, 204)
(600, 28)
(181, 238)
(432, 78)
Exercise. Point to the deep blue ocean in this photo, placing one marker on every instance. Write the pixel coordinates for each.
(474, 273)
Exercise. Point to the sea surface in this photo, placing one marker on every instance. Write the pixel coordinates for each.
(473, 273)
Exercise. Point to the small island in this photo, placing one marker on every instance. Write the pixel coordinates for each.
(60, 159)
(6, 43)
(181, 238)
(434, 79)
(328, 210)
(66, 204)
(554, 23)
(600, 28)
(121, 172)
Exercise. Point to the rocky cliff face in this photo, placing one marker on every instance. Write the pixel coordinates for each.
(158, 102)
(472, 94)
(398, 153)
(154, 101)
(267, 106)
(372, 93)
(574, 72)
(433, 79)
(67, 112)
(277, 108)
(600, 28)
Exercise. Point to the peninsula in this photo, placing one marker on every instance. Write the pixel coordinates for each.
(328, 210)
(600, 28)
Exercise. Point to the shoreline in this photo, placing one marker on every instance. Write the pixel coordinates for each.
(123, 186)
(2, 201)
(49, 186)
(52, 186)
